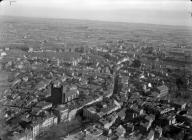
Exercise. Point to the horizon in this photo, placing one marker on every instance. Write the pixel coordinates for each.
(165, 12)
(94, 20)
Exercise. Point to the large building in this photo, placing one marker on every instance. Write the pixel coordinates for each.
(63, 93)
(101, 109)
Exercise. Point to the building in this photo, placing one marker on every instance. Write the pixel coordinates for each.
(61, 94)
(179, 105)
(43, 105)
(151, 135)
(70, 93)
(101, 109)
(120, 131)
(122, 113)
(94, 131)
(109, 120)
(40, 124)
(56, 94)
(29, 130)
(62, 113)
(162, 91)
(90, 113)
(36, 128)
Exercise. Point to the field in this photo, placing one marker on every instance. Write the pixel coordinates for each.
(17, 31)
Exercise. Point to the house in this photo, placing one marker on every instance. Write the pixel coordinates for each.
(151, 135)
(150, 117)
(72, 113)
(163, 91)
(158, 132)
(154, 94)
(122, 113)
(108, 121)
(43, 105)
(48, 121)
(130, 127)
(120, 131)
(16, 81)
(90, 137)
(152, 109)
(18, 136)
(3, 54)
(137, 110)
(172, 119)
(125, 80)
(145, 126)
(166, 110)
(179, 105)
(36, 111)
(62, 113)
(93, 131)
(30, 49)
(130, 114)
(36, 127)
(149, 120)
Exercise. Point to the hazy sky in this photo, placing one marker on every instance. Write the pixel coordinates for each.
(172, 12)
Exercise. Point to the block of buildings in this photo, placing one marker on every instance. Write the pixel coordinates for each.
(100, 109)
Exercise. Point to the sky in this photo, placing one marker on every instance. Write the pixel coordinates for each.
(169, 12)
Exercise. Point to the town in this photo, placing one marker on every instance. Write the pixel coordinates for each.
(123, 89)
